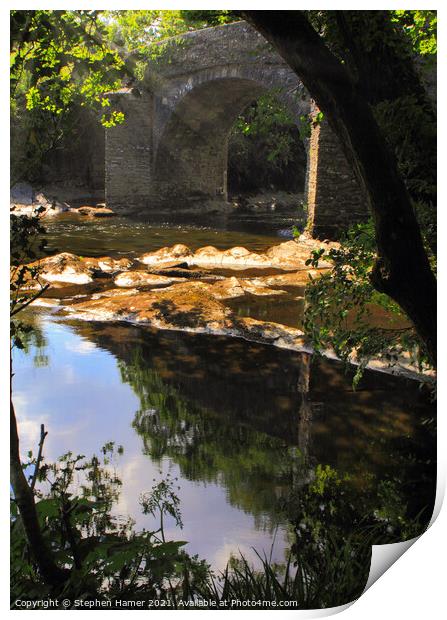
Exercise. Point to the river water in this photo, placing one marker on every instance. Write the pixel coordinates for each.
(119, 236)
(240, 425)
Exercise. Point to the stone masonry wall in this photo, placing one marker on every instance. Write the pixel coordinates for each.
(129, 153)
(334, 198)
(79, 159)
(192, 174)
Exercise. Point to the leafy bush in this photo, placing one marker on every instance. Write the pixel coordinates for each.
(26, 244)
(103, 554)
(107, 560)
(341, 311)
(60, 64)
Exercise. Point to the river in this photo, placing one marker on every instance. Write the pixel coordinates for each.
(240, 425)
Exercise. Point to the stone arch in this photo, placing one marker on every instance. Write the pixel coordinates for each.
(191, 153)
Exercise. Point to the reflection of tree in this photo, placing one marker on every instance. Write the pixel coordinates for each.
(305, 410)
(259, 420)
(374, 501)
(31, 338)
(335, 516)
(255, 468)
(338, 515)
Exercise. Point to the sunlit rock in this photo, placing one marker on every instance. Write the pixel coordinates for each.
(115, 292)
(142, 278)
(98, 211)
(45, 209)
(257, 288)
(229, 288)
(208, 255)
(109, 264)
(166, 255)
(294, 254)
(288, 256)
(25, 201)
(64, 267)
(26, 210)
(292, 278)
(280, 335)
(186, 306)
(51, 205)
(234, 257)
(47, 303)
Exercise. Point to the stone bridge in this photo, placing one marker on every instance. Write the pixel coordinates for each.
(171, 151)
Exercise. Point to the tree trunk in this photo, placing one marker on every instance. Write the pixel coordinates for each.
(23, 495)
(402, 270)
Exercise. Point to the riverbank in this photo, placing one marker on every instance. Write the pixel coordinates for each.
(278, 207)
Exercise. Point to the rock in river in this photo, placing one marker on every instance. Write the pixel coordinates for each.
(64, 267)
(292, 278)
(143, 278)
(234, 257)
(186, 306)
(182, 305)
(290, 255)
(98, 211)
(229, 288)
(166, 255)
(109, 264)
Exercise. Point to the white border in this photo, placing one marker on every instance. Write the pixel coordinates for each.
(415, 586)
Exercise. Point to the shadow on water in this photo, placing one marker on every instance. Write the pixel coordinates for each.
(286, 309)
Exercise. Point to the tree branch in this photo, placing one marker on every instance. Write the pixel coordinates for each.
(43, 434)
(30, 301)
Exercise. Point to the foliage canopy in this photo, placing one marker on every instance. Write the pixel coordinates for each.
(60, 63)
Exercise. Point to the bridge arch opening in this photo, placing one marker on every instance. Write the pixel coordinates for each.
(191, 161)
(266, 153)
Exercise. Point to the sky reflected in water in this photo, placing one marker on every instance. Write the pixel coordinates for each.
(83, 403)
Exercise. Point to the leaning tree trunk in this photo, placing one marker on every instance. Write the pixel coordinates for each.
(23, 495)
(402, 269)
